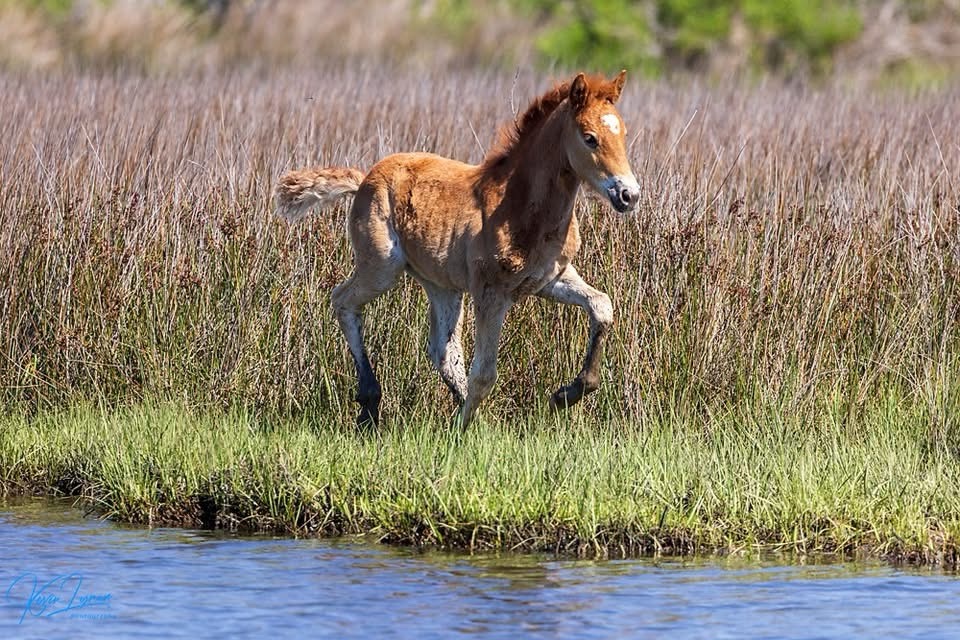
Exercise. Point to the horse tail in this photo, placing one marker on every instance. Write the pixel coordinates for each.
(299, 191)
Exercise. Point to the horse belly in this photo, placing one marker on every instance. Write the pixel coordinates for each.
(438, 262)
(435, 241)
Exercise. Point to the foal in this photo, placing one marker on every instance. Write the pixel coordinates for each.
(499, 231)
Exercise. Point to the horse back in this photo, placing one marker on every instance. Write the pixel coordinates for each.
(428, 201)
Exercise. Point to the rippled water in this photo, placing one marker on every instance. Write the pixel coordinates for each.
(177, 583)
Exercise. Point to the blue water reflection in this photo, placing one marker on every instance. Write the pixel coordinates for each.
(173, 583)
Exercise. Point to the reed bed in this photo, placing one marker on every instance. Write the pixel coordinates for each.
(794, 261)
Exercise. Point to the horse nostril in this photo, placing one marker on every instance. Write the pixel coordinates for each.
(626, 197)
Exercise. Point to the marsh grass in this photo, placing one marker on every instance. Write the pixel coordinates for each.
(785, 347)
(740, 482)
(792, 246)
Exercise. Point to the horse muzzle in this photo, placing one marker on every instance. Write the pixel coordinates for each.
(623, 192)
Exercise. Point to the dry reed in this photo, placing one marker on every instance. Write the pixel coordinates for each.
(795, 248)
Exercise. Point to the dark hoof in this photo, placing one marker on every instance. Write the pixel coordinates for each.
(368, 397)
(368, 419)
(566, 397)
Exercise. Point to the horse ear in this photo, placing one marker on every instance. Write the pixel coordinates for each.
(618, 83)
(578, 92)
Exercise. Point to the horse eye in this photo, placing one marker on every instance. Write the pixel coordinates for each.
(590, 140)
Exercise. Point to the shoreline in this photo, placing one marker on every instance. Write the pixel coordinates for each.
(680, 490)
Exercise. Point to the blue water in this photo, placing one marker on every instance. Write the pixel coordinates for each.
(175, 583)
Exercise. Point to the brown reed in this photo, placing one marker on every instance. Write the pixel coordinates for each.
(795, 247)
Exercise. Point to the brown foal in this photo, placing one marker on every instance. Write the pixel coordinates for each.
(499, 231)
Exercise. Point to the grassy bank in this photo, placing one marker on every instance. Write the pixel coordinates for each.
(884, 487)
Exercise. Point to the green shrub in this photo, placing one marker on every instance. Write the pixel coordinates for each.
(52, 7)
(607, 35)
(664, 34)
(693, 26)
(812, 29)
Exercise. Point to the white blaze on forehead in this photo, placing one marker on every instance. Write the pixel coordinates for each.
(612, 122)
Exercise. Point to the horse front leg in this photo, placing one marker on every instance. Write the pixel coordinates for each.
(569, 288)
(490, 311)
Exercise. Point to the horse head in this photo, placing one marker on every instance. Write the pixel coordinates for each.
(595, 140)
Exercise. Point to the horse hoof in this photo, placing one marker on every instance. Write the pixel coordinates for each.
(368, 420)
(566, 397)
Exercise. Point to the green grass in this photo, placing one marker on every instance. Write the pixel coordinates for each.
(883, 486)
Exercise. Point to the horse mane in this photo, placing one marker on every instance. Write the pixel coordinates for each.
(513, 135)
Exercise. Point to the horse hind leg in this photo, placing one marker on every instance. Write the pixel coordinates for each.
(446, 347)
(378, 264)
(348, 299)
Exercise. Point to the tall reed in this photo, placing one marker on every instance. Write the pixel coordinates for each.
(795, 248)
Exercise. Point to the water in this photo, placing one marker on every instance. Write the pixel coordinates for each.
(175, 583)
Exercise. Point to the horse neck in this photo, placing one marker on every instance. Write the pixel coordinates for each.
(542, 186)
